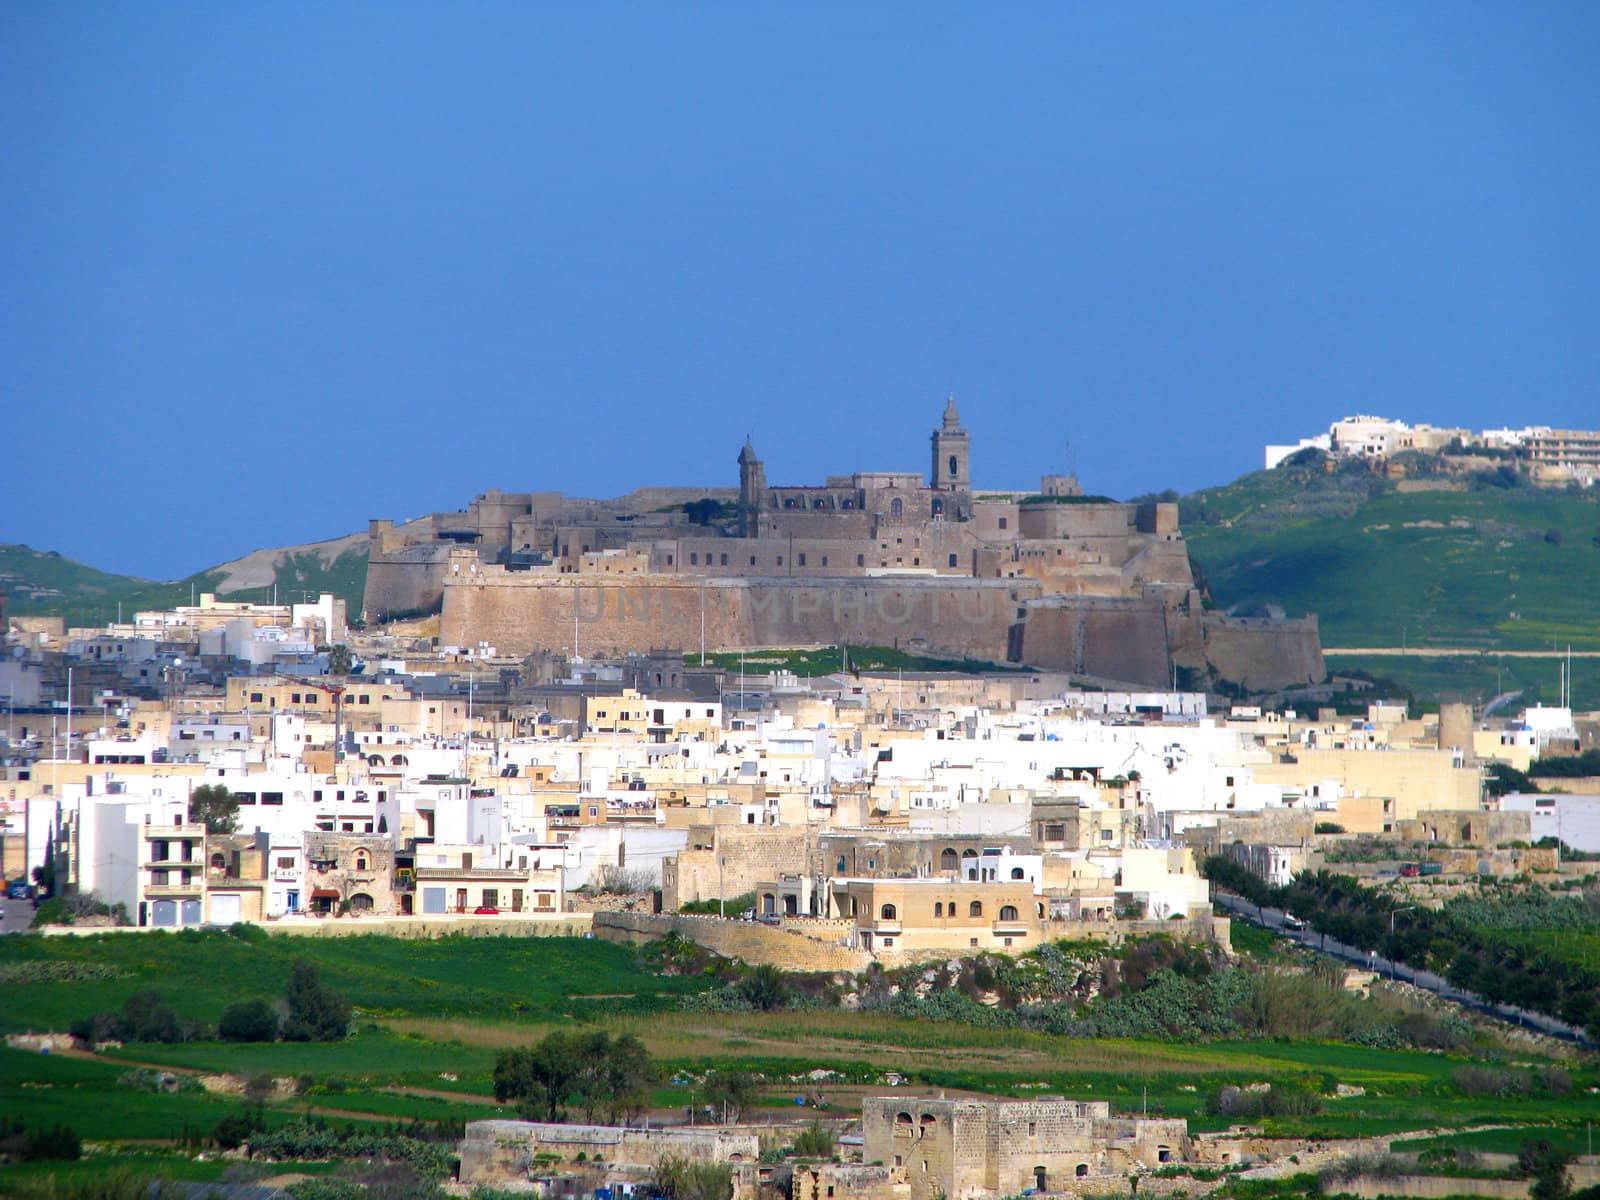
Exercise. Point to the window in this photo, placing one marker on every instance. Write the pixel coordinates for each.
(887, 913)
(752, 560)
(694, 559)
(975, 909)
(953, 471)
(285, 864)
(363, 861)
(1008, 912)
(824, 560)
(780, 560)
(952, 560)
(861, 560)
(938, 909)
(1016, 873)
(1002, 522)
(724, 561)
(896, 507)
(800, 560)
(255, 697)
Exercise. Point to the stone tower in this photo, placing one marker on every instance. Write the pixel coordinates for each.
(752, 491)
(952, 452)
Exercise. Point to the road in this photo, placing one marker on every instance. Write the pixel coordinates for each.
(18, 915)
(1273, 919)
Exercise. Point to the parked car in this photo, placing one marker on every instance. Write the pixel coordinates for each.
(483, 910)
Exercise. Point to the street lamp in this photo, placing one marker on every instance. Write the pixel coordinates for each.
(1393, 912)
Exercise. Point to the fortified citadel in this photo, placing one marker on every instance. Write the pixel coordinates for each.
(1052, 579)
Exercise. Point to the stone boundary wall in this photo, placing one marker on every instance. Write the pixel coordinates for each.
(749, 940)
(1429, 1186)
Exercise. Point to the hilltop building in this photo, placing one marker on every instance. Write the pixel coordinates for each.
(1051, 578)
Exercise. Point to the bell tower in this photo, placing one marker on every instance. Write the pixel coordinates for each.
(752, 491)
(952, 453)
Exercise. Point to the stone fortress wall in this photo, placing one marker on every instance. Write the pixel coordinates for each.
(1101, 589)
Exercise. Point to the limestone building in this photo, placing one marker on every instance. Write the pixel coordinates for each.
(974, 1149)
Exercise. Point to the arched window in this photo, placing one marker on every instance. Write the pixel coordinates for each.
(363, 861)
(375, 760)
(219, 862)
(969, 854)
(953, 466)
(399, 760)
(975, 909)
(1082, 1170)
(769, 904)
(361, 902)
(1008, 912)
(887, 912)
(896, 507)
(938, 508)
(1016, 873)
(938, 908)
(947, 859)
(928, 1121)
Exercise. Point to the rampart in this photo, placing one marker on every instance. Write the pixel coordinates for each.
(521, 612)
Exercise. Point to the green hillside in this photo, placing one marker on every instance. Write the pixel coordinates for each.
(45, 583)
(1494, 565)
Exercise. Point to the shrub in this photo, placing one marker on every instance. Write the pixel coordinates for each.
(59, 1143)
(248, 1021)
(234, 1130)
(814, 1141)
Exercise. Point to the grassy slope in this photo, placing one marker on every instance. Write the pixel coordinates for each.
(45, 583)
(427, 1008)
(1380, 568)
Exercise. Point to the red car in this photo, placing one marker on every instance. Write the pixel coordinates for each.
(483, 910)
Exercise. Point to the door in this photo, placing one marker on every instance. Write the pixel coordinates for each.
(432, 900)
(191, 912)
(225, 908)
(164, 912)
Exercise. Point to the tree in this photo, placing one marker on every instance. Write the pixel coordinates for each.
(340, 660)
(729, 1093)
(315, 1014)
(604, 1076)
(147, 1017)
(1541, 1162)
(248, 1021)
(213, 805)
(681, 1178)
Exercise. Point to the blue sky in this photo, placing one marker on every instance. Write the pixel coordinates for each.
(271, 270)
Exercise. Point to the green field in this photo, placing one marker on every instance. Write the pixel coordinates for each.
(487, 978)
(430, 1017)
(1493, 568)
(827, 660)
(1475, 678)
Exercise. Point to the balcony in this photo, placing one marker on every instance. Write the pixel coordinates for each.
(194, 887)
(285, 875)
